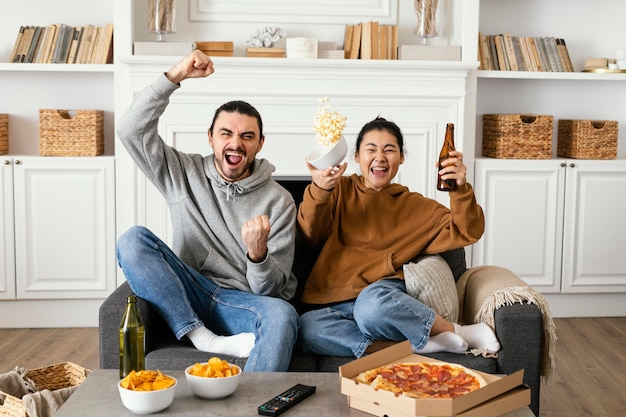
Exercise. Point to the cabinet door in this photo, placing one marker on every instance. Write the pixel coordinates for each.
(64, 227)
(594, 235)
(523, 204)
(7, 254)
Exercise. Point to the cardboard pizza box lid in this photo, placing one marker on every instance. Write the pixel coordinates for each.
(363, 395)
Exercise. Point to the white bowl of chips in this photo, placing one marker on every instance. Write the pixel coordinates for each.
(323, 156)
(213, 379)
(149, 397)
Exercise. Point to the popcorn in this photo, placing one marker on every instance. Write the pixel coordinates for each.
(329, 124)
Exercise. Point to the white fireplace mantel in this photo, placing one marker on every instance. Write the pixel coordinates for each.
(421, 97)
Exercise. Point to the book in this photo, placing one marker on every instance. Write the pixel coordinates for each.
(494, 52)
(382, 42)
(85, 44)
(34, 45)
(25, 44)
(355, 48)
(48, 43)
(565, 58)
(484, 52)
(92, 52)
(347, 40)
(374, 41)
(78, 33)
(104, 51)
(260, 52)
(394, 42)
(535, 51)
(530, 54)
(62, 47)
(501, 52)
(541, 51)
(507, 38)
(366, 40)
(16, 45)
(556, 56)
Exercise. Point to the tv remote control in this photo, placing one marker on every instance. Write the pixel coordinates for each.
(284, 401)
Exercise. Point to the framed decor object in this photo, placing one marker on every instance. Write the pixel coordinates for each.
(290, 11)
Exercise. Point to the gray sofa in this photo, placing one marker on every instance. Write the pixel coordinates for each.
(519, 328)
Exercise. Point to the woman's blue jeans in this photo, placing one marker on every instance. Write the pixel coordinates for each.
(382, 311)
(187, 300)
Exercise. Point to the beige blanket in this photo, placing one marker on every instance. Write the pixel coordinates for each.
(484, 289)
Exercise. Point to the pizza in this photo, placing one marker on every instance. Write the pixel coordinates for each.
(423, 379)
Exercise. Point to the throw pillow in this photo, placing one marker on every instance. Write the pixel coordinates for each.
(430, 280)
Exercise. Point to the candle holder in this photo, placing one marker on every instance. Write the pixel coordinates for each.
(426, 19)
(162, 17)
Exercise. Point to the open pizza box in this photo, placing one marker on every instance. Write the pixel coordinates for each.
(501, 395)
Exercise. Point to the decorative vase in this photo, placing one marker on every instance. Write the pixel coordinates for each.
(426, 19)
(162, 17)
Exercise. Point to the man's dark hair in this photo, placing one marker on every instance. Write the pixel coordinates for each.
(238, 106)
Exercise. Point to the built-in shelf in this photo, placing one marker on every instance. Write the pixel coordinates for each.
(8, 66)
(535, 75)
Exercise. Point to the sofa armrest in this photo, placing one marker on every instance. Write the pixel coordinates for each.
(499, 297)
(520, 330)
(110, 316)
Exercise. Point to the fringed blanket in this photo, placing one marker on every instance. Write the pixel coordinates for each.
(499, 287)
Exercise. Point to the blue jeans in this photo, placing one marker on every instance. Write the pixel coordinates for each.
(187, 300)
(382, 311)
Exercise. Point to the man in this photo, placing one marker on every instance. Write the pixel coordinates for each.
(225, 282)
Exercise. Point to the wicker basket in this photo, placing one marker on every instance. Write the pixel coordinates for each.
(63, 133)
(517, 136)
(587, 139)
(4, 134)
(53, 377)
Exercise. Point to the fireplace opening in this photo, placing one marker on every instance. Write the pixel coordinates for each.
(295, 186)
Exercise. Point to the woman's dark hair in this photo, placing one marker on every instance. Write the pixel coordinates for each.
(380, 123)
(241, 107)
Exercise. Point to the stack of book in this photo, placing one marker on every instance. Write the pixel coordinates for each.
(64, 44)
(598, 63)
(216, 48)
(260, 52)
(369, 40)
(505, 52)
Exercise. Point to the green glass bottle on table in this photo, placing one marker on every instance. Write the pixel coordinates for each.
(132, 339)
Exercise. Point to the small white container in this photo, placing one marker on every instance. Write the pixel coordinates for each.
(323, 157)
(301, 48)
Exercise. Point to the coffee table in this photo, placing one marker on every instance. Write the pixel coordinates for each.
(97, 396)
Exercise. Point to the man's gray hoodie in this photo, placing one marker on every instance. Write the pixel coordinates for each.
(207, 211)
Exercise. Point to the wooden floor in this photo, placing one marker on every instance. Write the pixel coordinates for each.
(590, 376)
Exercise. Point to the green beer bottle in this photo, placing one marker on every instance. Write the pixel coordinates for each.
(132, 339)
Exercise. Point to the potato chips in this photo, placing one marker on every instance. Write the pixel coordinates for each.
(214, 368)
(146, 381)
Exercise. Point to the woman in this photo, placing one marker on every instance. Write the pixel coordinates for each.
(367, 228)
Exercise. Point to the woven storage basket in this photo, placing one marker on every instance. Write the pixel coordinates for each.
(587, 139)
(517, 136)
(68, 133)
(4, 134)
(53, 377)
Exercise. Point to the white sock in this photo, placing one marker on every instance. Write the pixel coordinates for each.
(445, 342)
(479, 336)
(238, 345)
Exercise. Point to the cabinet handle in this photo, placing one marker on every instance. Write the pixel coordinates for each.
(17, 162)
(7, 162)
(572, 165)
(563, 164)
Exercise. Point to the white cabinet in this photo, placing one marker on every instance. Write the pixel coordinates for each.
(58, 228)
(559, 224)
